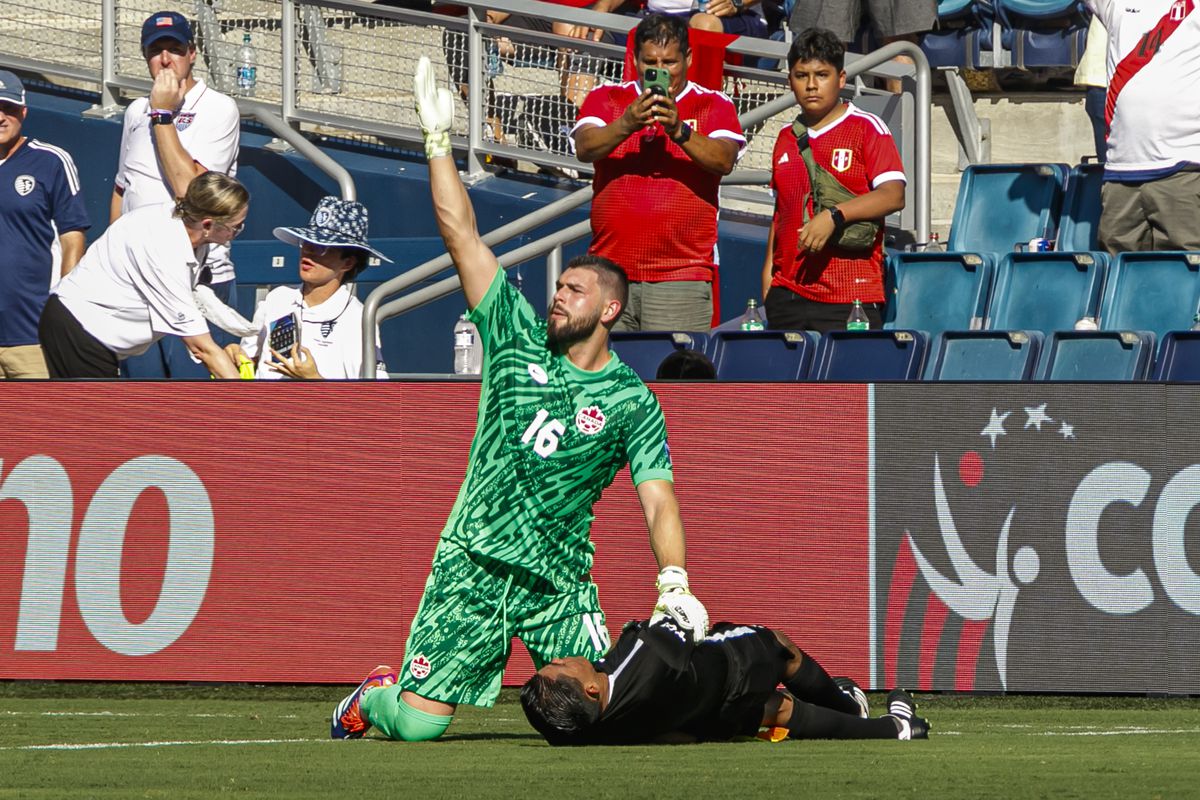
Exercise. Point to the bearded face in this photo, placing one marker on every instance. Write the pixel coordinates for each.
(564, 328)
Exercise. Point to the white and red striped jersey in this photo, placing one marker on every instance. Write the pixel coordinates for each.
(1153, 102)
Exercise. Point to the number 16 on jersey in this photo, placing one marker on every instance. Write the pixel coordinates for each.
(544, 435)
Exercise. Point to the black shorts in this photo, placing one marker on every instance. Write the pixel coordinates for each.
(70, 351)
(756, 662)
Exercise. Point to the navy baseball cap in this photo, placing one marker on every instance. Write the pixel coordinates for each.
(166, 25)
(11, 88)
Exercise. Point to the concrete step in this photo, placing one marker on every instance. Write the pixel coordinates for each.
(1025, 127)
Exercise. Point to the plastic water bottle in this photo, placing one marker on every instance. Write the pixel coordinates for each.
(753, 320)
(1086, 324)
(468, 350)
(934, 245)
(494, 65)
(858, 321)
(1196, 323)
(247, 71)
(702, 6)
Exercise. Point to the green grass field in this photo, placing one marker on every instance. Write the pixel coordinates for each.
(165, 741)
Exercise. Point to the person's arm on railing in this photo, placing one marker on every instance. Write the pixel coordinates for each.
(475, 262)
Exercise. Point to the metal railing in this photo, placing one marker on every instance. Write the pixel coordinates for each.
(375, 312)
(345, 66)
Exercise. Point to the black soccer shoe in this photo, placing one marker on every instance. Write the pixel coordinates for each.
(903, 709)
(855, 693)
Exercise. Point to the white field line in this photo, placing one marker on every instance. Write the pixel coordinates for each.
(116, 745)
(129, 714)
(1120, 732)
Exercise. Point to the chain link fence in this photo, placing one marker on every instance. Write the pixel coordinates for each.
(57, 32)
(354, 62)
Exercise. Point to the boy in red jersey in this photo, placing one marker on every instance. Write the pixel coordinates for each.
(810, 283)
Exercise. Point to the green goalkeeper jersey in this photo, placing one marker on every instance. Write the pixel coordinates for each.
(548, 439)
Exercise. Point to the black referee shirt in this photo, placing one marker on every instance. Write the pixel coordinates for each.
(660, 682)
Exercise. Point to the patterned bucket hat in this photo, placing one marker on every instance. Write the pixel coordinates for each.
(334, 223)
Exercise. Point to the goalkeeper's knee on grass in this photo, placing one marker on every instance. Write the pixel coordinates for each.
(398, 720)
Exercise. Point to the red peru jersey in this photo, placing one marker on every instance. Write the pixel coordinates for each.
(856, 148)
(655, 210)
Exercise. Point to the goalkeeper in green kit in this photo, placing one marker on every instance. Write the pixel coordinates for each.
(559, 415)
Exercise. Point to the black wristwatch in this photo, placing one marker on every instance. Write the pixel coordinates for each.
(685, 133)
(162, 117)
(839, 219)
(738, 4)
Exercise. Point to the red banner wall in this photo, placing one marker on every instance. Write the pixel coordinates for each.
(295, 523)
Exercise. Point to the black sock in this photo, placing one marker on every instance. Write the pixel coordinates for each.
(812, 684)
(814, 722)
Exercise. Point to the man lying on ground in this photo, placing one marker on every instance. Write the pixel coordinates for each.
(657, 685)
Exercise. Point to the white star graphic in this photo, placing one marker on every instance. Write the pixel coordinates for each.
(1067, 431)
(995, 426)
(1035, 416)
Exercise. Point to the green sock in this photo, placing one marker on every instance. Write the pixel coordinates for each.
(396, 719)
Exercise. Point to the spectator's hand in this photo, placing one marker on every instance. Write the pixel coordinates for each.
(666, 113)
(300, 365)
(583, 32)
(236, 352)
(815, 235)
(639, 113)
(435, 109)
(167, 92)
(720, 8)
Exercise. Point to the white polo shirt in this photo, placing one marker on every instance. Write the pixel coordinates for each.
(134, 284)
(209, 129)
(1155, 126)
(332, 332)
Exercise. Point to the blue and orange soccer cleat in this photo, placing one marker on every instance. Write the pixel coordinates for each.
(348, 722)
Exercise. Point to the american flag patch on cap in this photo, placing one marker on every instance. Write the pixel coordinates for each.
(163, 22)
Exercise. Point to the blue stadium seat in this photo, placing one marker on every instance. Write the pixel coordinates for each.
(645, 350)
(761, 355)
(1002, 205)
(935, 292)
(1151, 291)
(985, 356)
(1046, 291)
(855, 356)
(1043, 33)
(1179, 357)
(1077, 229)
(1098, 356)
(963, 32)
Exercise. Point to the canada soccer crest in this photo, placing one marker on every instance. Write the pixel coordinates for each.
(842, 157)
(590, 421)
(420, 667)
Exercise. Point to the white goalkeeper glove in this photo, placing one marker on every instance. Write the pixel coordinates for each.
(678, 603)
(435, 109)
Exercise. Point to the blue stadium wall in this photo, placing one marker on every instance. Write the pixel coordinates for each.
(394, 187)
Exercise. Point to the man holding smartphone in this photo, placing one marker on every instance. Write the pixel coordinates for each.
(661, 145)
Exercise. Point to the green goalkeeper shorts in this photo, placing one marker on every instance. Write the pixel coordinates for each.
(472, 608)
